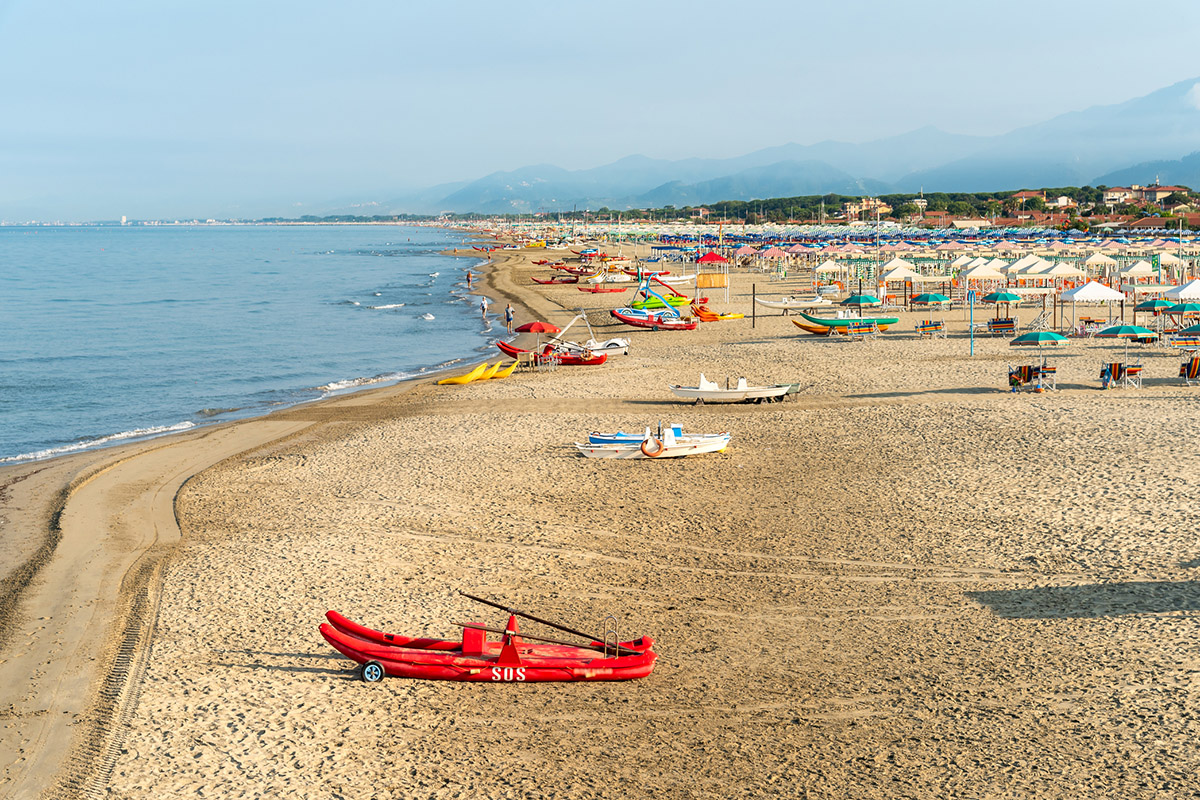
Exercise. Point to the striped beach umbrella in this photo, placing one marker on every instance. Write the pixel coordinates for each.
(1126, 332)
(929, 299)
(861, 301)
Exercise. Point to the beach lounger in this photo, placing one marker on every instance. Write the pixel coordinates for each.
(862, 330)
(1132, 379)
(1190, 370)
(1002, 327)
(1039, 323)
(932, 328)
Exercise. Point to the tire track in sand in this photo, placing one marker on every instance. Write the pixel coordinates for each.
(70, 679)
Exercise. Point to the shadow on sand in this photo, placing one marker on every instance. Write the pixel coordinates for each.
(1092, 600)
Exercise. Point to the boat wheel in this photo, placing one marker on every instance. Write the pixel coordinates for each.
(372, 672)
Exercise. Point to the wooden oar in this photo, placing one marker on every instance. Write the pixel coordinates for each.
(532, 618)
(597, 648)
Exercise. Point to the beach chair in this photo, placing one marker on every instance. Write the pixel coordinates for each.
(1046, 376)
(1021, 375)
(862, 330)
(547, 362)
(932, 328)
(1002, 327)
(1112, 374)
(1039, 323)
(1190, 370)
(1132, 379)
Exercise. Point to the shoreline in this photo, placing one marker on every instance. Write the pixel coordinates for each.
(144, 434)
(822, 593)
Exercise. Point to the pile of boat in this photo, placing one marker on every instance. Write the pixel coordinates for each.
(514, 658)
(709, 392)
(481, 373)
(669, 443)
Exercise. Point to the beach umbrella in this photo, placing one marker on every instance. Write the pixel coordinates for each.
(1155, 305)
(539, 328)
(861, 301)
(930, 299)
(1007, 298)
(1190, 331)
(1184, 309)
(1126, 332)
(1040, 340)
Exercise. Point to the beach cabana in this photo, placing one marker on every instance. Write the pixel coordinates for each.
(1188, 291)
(981, 272)
(1091, 292)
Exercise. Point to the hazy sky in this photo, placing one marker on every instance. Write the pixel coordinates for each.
(164, 109)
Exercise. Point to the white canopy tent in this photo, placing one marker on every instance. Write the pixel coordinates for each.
(1140, 269)
(1188, 291)
(1092, 292)
(1064, 270)
(1100, 260)
(981, 272)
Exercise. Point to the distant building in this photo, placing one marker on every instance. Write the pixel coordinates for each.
(1026, 194)
(869, 206)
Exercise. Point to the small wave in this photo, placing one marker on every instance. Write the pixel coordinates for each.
(427, 315)
(351, 383)
(213, 412)
(389, 305)
(137, 433)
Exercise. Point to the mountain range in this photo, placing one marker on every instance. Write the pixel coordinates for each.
(1152, 137)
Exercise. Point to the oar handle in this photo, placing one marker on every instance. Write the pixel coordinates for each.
(531, 618)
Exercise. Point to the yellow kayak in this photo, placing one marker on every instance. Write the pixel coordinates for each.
(504, 373)
(461, 379)
(489, 373)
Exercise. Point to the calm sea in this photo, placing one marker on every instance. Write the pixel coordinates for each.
(110, 333)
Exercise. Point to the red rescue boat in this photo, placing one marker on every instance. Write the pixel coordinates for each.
(565, 358)
(515, 658)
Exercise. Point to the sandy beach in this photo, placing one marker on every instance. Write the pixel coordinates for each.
(907, 582)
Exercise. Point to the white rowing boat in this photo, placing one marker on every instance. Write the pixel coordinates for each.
(790, 303)
(652, 447)
(709, 392)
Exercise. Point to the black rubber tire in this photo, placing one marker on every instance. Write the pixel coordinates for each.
(371, 672)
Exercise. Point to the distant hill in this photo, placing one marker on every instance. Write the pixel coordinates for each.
(1181, 172)
(1134, 140)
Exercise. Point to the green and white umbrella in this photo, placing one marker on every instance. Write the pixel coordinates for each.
(1041, 340)
(861, 301)
(929, 299)
(1155, 305)
(1184, 309)
(1007, 298)
(1126, 332)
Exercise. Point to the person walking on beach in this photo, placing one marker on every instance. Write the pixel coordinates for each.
(483, 306)
(508, 317)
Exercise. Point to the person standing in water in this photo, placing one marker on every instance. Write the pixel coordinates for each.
(483, 306)
(508, 317)
(468, 279)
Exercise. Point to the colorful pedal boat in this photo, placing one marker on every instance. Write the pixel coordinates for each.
(655, 321)
(476, 659)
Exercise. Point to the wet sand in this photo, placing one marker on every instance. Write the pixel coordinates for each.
(906, 583)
